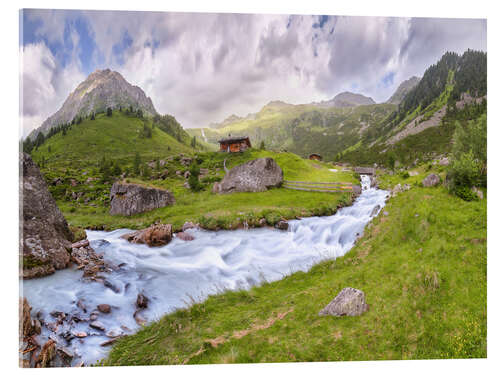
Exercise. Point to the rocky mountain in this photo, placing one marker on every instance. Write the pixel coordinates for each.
(403, 89)
(102, 89)
(346, 99)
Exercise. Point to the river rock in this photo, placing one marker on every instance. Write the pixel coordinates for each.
(444, 161)
(375, 210)
(104, 308)
(349, 301)
(46, 237)
(129, 199)
(155, 235)
(431, 180)
(47, 354)
(188, 225)
(142, 301)
(282, 225)
(184, 236)
(97, 325)
(253, 176)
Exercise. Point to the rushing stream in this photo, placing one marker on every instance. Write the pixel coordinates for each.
(173, 275)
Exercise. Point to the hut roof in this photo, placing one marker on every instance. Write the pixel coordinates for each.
(233, 139)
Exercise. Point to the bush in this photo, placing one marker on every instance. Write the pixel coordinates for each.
(464, 172)
(194, 182)
(465, 193)
(405, 175)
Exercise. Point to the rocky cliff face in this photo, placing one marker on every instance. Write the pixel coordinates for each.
(256, 175)
(45, 237)
(403, 89)
(101, 89)
(130, 199)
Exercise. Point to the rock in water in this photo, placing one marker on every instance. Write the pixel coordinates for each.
(431, 180)
(282, 225)
(256, 175)
(46, 237)
(130, 199)
(155, 235)
(184, 236)
(104, 308)
(349, 301)
(375, 210)
(142, 301)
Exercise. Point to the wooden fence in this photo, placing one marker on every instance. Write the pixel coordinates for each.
(322, 187)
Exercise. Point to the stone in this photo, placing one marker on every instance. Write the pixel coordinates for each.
(46, 237)
(27, 325)
(253, 176)
(413, 173)
(188, 225)
(431, 180)
(80, 334)
(262, 222)
(97, 325)
(349, 302)
(478, 192)
(142, 301)
(386, 213)
(47, 354)
(282, 225)
(155, 235)
(73, 182)
(184, 236)
(187, 174)
(108, 284)
(375, 210)
(104, 308)
(444, 161)
(356, 189)
(129, 199)
(79, 244)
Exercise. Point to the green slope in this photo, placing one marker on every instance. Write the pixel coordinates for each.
(303, 129)
(426, 291)
(117, 137)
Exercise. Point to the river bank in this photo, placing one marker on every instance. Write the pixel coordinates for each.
(183, 273)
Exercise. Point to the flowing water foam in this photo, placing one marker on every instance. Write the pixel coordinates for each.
(174, 275)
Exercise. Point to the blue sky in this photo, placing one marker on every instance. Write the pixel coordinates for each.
(205, 67)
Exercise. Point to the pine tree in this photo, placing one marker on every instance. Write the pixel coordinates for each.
(137, 164)
(262, 145)
(109, 112)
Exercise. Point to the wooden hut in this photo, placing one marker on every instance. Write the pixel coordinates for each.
(234, 144)
(315, 157)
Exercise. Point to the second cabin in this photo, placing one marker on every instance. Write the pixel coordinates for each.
(234, 144)
(315, 157)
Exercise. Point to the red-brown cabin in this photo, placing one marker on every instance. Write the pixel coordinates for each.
(234, 144)
(315, 157)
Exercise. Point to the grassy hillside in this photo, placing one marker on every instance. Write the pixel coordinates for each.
(211, 210)
(303, 129)
(117, 137)
(423, 270)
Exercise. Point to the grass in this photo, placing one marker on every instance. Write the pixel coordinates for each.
(117, 137)
(225, 211)
(422, 268)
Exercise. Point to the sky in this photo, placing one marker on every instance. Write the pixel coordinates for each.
(203, 67)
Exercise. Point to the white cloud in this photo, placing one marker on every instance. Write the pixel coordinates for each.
(45, 84)
(203, 67)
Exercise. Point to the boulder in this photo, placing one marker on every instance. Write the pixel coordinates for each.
(349, 301)
(130, 199)
(155, 235)
(188, 225)
(431, 180)
(444, 161)
(46, 237)
(282, 225)
(478, 192)
(104, 308)
(142, 301)
(184, 236)
(255, 175)
(375, 210)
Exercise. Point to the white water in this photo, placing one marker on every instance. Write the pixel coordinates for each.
(171, 275)
(203, 135)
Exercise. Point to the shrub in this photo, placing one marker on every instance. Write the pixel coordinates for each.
(465, 193)
(405, 175)
(194, 182)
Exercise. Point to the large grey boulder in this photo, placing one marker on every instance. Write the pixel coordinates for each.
(255, 175)
(431, 180)
(45, 235)
(349, 301)
(129, 199)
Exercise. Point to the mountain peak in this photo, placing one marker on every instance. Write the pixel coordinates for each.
(100, 90)
(347, 99)
(403, 89)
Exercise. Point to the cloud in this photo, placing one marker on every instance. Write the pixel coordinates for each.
(203, 67)
(44, 84)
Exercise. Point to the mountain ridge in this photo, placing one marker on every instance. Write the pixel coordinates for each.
(100, 90)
